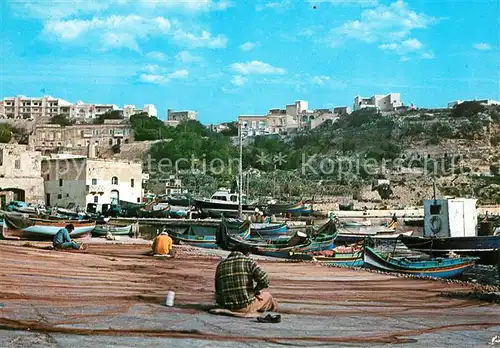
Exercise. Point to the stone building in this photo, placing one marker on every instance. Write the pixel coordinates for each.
(175, 117)
(80, 180)
(51, 137)
(20, 176)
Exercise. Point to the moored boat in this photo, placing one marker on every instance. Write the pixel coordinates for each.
(205, 236)
(22, 226)
(436, 267)
(289, 208)
(484, 247)
(114, 229)
(268, 230)
(301, 242)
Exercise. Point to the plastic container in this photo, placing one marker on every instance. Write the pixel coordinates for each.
(169, 302)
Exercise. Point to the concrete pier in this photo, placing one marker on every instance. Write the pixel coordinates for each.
(113, 295)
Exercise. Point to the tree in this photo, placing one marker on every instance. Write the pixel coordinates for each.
(61, 120)
(149, 127)
(5, 133)
(21, 135)
(232, 129)
(109, 115)
(467, 109)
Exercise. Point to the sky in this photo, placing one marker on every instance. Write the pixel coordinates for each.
(224, 58)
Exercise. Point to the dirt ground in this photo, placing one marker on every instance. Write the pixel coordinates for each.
(114, 295)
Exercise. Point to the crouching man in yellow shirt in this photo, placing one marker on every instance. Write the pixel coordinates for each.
(162, 245)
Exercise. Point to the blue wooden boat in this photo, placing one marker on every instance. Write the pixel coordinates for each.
(114, 229)
(205, 236)
(436, 267)
(340, 256)
(484, 247)
(22, 226)
(284, 247)
(268, 230)
(293, 208)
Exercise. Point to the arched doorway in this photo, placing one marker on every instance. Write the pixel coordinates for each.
(115, 197)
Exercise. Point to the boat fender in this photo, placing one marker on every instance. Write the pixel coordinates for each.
(436, 224)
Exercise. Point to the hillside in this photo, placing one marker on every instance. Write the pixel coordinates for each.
(365, 156)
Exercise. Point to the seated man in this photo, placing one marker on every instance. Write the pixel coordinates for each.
(162, 244)
(234, 284)
(62, 239)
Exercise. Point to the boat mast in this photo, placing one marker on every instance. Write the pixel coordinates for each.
(240, 174)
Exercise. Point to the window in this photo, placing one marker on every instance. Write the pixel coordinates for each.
(114, 180)
(96, 199)
(67, 194)
(435, 209)
(138, 200)
(60, 182)
(131, 182)
(48, 177)
(94, 181)
(59, 196)
(110, 141)
(17, 164)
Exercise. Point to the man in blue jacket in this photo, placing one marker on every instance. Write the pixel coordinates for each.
(62, 240)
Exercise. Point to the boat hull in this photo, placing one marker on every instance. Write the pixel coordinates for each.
(268, 231)
(439, 268)
(484, 247)
(205, 236)
(47, 231)
(342, 259)
(102, 230)
(296, 208)
(352, 238)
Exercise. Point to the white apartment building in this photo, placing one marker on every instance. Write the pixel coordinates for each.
(33, 108)
(85, 111)
(80, 180)
(175, 117)
(388, 102)
(129, 110)
(485, 102)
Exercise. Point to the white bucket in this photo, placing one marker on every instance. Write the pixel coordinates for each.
(169, 302)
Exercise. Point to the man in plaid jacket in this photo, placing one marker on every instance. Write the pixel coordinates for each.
(238, 284)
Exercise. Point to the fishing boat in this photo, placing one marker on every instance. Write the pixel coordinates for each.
(224, 202)
(114, 229)
(268, 230)
(351, 256)
(23, 226)
(451, 225)
(435, 267)
(182, 200)
(283, 247)
(484, 247)
(205, 236)
(289, 208)
(356, 223)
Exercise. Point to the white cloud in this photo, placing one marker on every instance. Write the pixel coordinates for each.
(239, 80)
(187, 57)
(274, 5)
(156, 55)
(113, 31)
(256, 67)
(346, 2)
(482, 46)
(248, 46)
(155, 79)
(404, 59)
(320, 80)
(204, 40)
(156, 75)
(427, 55)
(125, 31)
(179, 74)
(384, 23)
(403, 47)
(59, 9)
